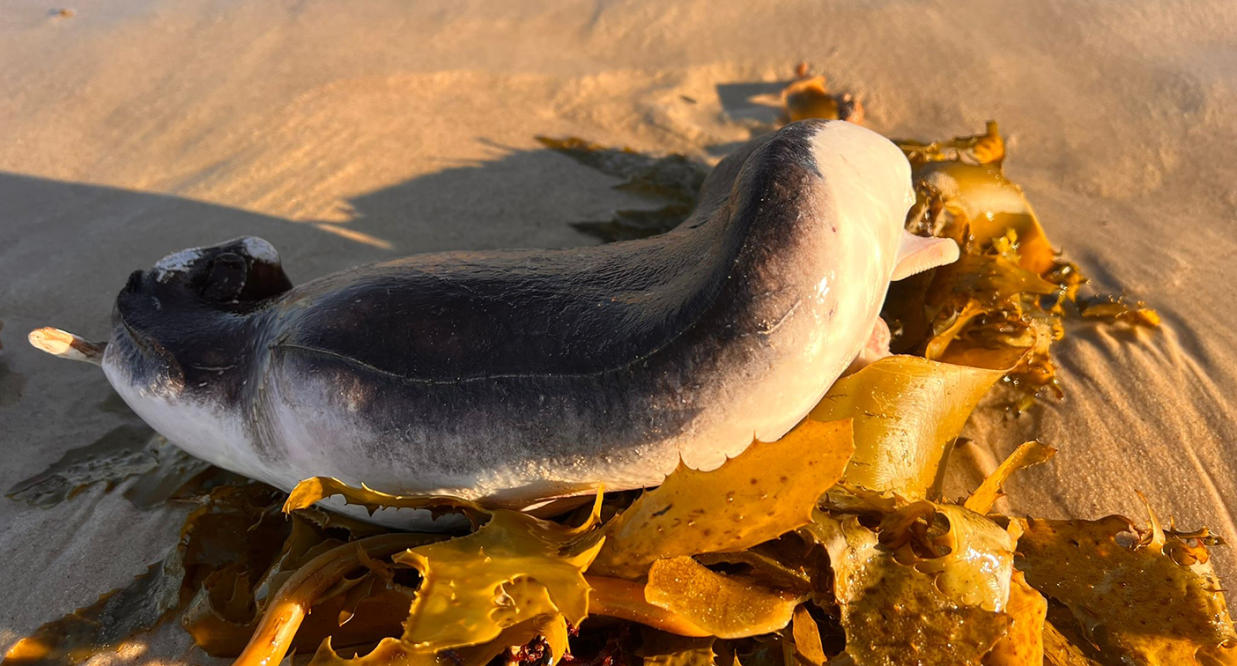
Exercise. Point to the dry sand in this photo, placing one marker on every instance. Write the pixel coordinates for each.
(351, 132)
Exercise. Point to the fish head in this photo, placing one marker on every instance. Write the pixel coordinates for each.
(232, 276)
(184, 326)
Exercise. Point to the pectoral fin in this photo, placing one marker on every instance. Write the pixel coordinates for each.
(918, 254)
(876, 348)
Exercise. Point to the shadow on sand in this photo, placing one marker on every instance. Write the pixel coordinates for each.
(69, 246)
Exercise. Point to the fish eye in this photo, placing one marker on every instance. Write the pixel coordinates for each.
(225, 277)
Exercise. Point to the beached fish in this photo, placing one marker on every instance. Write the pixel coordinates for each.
(514, 377)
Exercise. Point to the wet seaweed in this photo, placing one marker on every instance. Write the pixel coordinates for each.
(160, 471)
(107, 624)
(123, 452)
(671, 180)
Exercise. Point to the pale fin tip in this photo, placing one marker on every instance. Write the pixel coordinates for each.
(918, 253)
(66, 345)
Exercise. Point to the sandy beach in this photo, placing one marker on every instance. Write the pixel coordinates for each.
(347, 133)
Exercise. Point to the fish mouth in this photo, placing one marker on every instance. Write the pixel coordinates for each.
(133, 333)
(133, 350)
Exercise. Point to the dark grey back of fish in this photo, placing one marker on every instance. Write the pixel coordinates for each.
(536, 354)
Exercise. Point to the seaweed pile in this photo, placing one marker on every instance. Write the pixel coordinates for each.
(833, 544)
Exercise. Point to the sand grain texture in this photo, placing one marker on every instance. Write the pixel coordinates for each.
(353, 132)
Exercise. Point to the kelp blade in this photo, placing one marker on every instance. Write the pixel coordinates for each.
(317, 488)
(514, 569)
(982, 206)
(1119, 585)
(768, 490)
(894, 613)
(725, 606)
(1023, 644)
(1029, 453)
(970, 557)
(906, 411)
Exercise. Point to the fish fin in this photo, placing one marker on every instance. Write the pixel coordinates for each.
(918, 254)
(66, 345)
(876, 348)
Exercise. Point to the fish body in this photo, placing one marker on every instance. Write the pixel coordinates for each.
(514, 377)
